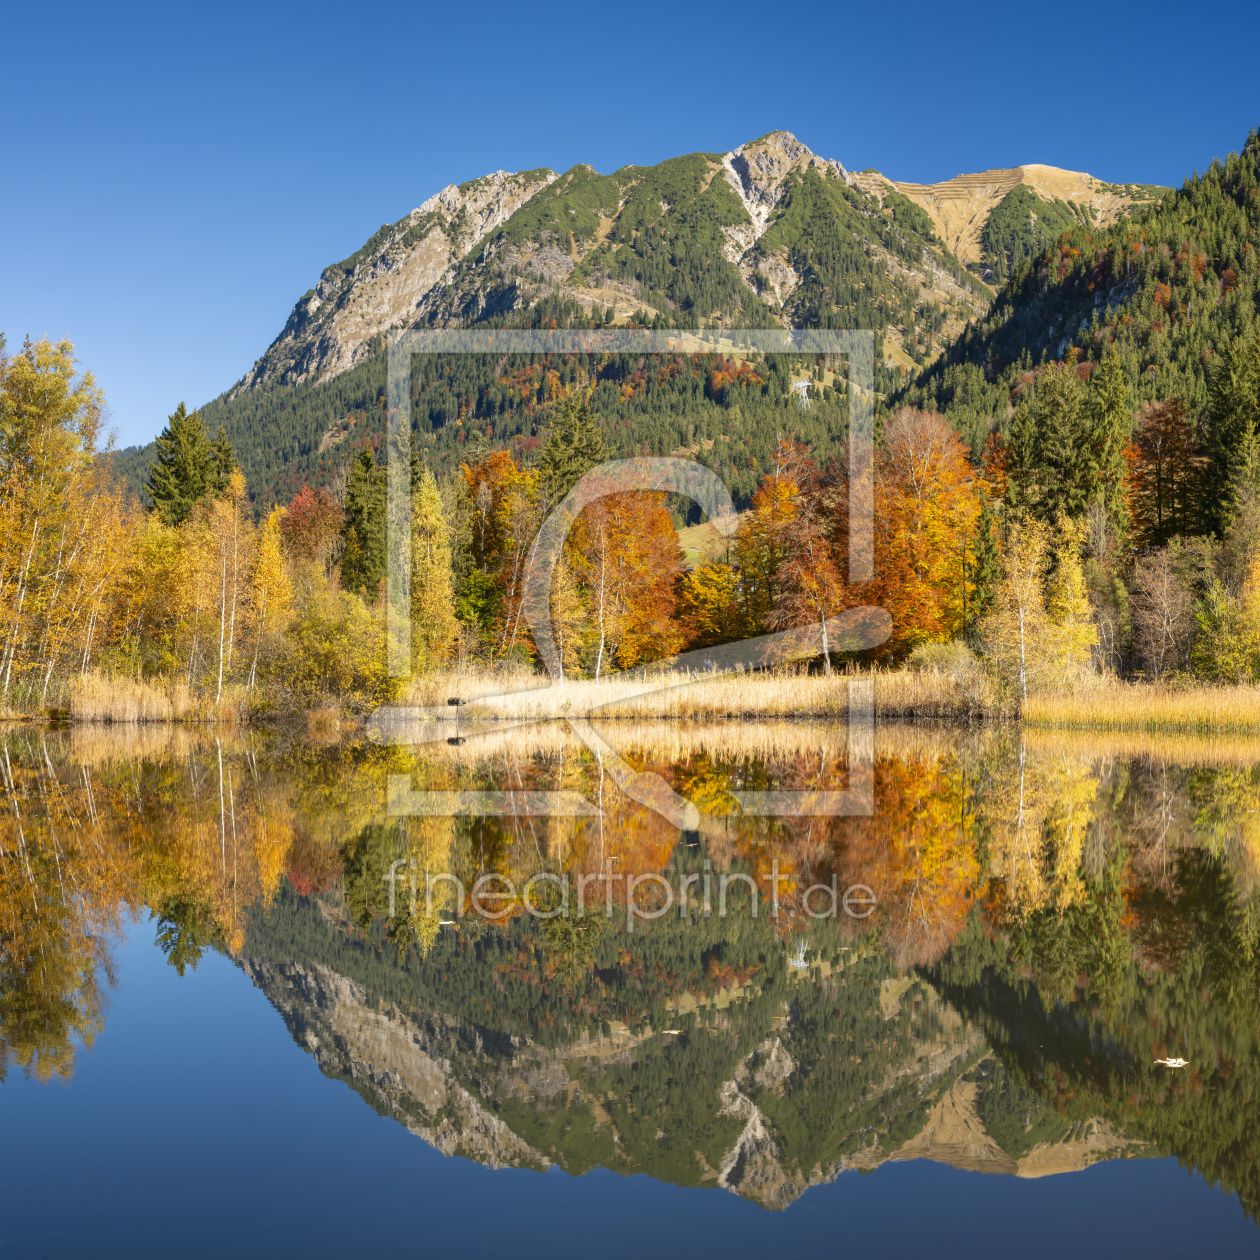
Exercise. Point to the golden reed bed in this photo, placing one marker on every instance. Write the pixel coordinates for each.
(1149, 707)
(898, 694)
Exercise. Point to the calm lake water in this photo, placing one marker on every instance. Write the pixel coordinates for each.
(231, 1019)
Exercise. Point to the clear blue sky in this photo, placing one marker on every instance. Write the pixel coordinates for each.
(174, 177)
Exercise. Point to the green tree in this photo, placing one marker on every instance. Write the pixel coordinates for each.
(574, 446)
(1233, 424)
(363, 559)
(986, 570)
(1113, 426)
(1022, 491)
(185, 469)
(222, 464)
(1066, 458)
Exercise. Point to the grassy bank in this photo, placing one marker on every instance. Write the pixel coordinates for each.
(97, 697)
(519, 694)
(1117, 706)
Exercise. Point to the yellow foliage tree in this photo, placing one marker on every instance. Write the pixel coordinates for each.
(272, 589)
(433, 625)
(1072, 633)
(1014, 631)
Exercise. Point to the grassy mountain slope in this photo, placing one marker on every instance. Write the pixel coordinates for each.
(1166, 287)
(962, 210)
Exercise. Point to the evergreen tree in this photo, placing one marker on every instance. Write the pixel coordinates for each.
(363, 559)
(1113, 426)
(222, 464)
(1233, 423)
(1022, 491)
(1066, 456)
(986, 564)
(574, 445)
(184, 469)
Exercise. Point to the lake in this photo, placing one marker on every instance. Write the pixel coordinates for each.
(598, 988)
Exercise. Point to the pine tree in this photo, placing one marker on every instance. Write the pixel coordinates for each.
(986, 566)
(1021, 461)
(184, 469)
(574, 446)
(1067, 462)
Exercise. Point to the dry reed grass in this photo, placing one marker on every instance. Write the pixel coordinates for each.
(1174, 748)
(774, 694)
(105, 698)
(1117, 706)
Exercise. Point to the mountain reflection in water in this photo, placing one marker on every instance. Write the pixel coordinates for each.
(1052, 917)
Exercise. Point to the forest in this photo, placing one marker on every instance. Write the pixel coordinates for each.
(1070, 493)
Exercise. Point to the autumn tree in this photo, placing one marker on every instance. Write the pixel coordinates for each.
(1072, 633)
(764, 538)
(433, 625)
(625, 554)
(271, 590)
(311, 526)
(711, 608)
(928, 505)
(62, 521)
(1016, 628)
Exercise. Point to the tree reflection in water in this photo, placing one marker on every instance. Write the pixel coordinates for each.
(1052, 917)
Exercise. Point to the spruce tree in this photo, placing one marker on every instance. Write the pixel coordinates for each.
(1233, 422)
(1067, 459)
(574, 445)
(1113, 427)
(1021, 460)
(222, 464)
(184, 468)
(986, 570)
(363, 559)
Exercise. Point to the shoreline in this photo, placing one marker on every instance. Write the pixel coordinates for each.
(497, 700)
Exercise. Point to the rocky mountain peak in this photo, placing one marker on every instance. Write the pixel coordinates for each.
(758, 171)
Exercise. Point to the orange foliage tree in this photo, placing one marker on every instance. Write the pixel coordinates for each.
(625, 555)
(927, 509)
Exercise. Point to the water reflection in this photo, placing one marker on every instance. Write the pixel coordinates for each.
(1052, 918)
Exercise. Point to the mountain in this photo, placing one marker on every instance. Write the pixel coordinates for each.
(710, 236)
(765, 1092)
(767, 234)
(1166, 287)
(992, 220)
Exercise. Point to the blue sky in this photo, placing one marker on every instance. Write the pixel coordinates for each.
(175, 177)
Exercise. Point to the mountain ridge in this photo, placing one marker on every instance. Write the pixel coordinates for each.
(767, 234)
(400, 276)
